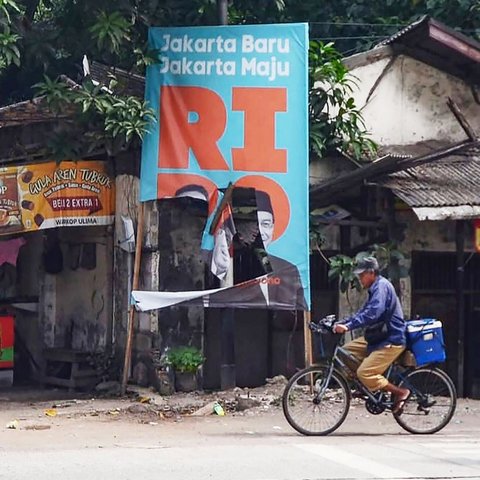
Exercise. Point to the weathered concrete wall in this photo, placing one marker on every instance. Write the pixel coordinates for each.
(71, 308)
(328, 167)
(75, 303)
(409, 103)
(434, 236)
(181, 268)
(171, 260)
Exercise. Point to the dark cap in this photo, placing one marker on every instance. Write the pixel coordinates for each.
(366, 264)
(193, 191)
(252, 199)
(264, 203)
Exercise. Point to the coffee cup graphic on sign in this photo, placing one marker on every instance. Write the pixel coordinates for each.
(10, 214)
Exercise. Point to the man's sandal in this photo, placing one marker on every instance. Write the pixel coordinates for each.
(399, 404)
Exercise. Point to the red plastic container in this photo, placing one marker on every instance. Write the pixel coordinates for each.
(6, 341)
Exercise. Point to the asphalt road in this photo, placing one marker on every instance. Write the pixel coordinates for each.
(253, 446)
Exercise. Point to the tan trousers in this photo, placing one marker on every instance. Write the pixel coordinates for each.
(371, 369)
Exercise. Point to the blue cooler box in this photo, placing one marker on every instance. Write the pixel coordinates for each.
(425, 340)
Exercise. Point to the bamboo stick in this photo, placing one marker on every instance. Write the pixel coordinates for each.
(131, 309)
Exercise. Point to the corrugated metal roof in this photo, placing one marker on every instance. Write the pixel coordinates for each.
(404, 31)
(433, 43)
(413, 33)
(450, 182)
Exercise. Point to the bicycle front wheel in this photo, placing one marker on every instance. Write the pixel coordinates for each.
(313, 404)
(432, 401)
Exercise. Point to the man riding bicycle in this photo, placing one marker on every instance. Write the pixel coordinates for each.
(385, 332)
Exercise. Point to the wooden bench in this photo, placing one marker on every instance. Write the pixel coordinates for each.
(68, 368)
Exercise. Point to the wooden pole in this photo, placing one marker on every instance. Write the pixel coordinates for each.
(227, 198)
(381, 167)
(222, 12)
(131, 309)
(460, 295)
(467, 128)
(227, 339)
(307, 338)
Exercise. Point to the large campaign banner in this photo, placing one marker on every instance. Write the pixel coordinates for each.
(50, 195)
(231, 104)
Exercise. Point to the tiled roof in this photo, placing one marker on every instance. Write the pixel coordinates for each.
(32, 111)
(128, 83)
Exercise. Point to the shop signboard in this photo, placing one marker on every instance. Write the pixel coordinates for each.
(51, 195)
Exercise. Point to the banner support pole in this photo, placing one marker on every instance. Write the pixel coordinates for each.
(227, 366)
(131, 309)
(307, 337)
(222, 12)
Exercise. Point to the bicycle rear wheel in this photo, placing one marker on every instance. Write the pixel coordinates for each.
(313, 407)
(432, 401)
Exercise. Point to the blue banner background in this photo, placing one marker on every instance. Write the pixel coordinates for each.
(291, 127)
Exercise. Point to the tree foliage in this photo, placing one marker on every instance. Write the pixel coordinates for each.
(335, 121)
(9, 51)
(109, 120)
(360, 24)
(42, 39)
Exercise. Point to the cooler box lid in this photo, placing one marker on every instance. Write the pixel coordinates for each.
(424, 324)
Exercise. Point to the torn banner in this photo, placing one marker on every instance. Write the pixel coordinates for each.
(210, 133)
(281, 290)
(222, 249)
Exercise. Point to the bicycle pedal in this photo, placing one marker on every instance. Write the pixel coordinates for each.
(358, 394)
(427, 404)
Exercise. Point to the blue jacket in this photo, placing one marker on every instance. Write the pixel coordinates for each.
(382, 305)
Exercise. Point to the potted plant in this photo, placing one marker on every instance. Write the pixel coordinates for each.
(185, 361)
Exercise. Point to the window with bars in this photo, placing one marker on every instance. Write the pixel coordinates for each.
(438, 271)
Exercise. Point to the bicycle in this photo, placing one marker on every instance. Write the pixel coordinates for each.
(317, 399)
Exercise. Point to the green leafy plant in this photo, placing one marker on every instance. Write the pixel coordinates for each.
(110, 30)
(7, 7)
(341, 268)
(185, 358)
(56, 93)
(335, 121)
(317, 236)
(107, 116)
(389, 259)
(9, 52)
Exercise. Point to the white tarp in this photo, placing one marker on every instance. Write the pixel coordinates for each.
(145, 300)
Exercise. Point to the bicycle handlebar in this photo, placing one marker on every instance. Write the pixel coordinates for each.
(324, 325)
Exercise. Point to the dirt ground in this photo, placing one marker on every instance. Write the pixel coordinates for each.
(32, 409)
(27, 408)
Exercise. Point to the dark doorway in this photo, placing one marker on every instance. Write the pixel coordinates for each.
(433, 296)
